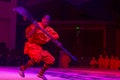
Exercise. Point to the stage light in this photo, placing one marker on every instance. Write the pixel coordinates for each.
(77, 27)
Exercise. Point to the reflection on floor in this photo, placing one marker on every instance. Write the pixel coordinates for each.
(11, 73)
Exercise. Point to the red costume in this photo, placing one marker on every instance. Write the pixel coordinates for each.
(112, 63)
(33, 47)
(64, 60)
(93, 62)
(101, 62)
(106, 63)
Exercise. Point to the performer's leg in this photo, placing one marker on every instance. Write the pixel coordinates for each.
(24, 67)
(49, 60)
(30, 63)
(43, 69)
(34, 52)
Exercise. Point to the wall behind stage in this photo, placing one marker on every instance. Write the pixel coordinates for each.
(118, 42)
(8, 23)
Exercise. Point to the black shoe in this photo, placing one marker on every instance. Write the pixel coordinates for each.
(21, 73)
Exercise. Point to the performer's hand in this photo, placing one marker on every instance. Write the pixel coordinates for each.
(59, 44)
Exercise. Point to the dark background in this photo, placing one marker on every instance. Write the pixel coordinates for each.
(88, 43)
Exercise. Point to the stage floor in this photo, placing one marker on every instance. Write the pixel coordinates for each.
(11, 73)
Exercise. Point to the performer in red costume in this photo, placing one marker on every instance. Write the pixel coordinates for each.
(33, 47)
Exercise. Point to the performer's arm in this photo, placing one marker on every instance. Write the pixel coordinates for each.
(30, 30)
(53, 33)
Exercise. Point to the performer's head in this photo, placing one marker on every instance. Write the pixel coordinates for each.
(46, 20)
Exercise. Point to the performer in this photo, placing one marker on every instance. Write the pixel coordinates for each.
(33, 47)
(101, 61)
(112, 62)
(106, 62)
(93, 62)
(64, 59)
(117, 63)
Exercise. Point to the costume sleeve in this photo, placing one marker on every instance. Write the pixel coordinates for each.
(28, 29)
(26, 48)
(53, 33)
